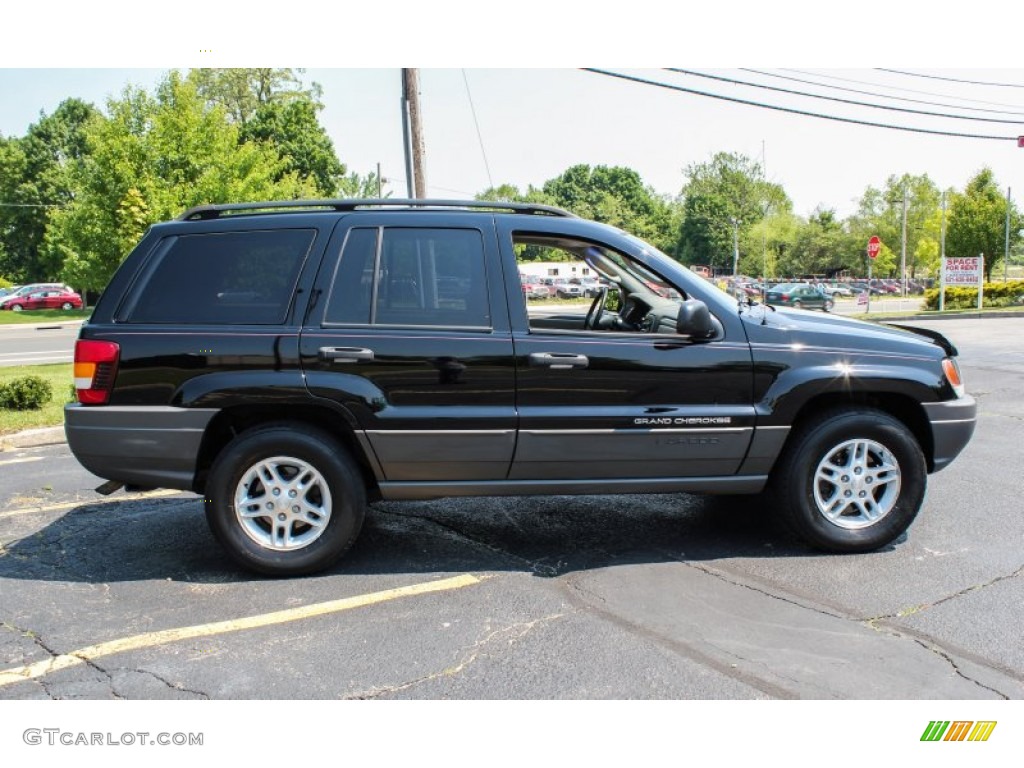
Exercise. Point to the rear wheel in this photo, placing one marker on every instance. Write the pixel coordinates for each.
(17, 307)
(852, 480)
(66, 306)
(285, 502)
(797, 304)
(827, 306)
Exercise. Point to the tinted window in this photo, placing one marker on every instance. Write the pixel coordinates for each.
(424, 277)
(232, 278)
(353, 281)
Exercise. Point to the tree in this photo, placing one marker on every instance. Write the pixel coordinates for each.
(880, 213)
(822, 247)
(616, 196)
(149, 159)
(241, 92)
(293, 128)
(977, 221)
(33, 183)
(729, 186)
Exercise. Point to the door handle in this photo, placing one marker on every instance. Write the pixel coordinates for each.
(558, 360)
(345, 354)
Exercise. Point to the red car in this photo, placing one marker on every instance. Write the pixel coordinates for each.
(45, 300)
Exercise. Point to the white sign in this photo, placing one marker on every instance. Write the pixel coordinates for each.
(963, 271)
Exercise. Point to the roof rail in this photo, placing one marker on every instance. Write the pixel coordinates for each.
(203, 212)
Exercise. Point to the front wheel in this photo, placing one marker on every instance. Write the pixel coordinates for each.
(285, 500)
(798, 304)
(67, 305)
(827, 306)
(852, 480)
(17, 307)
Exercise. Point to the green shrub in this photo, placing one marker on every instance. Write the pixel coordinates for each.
(26, 393)
(996, 295)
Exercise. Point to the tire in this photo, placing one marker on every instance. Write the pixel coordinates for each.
(798, 304)
(861, 509)
(17, 307)
(67, 305)
(827, 306)
(327, 518)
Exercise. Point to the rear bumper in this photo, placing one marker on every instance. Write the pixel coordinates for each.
(953, 423)
(152, 446)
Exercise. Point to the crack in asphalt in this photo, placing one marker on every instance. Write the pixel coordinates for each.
(904, 612)
(949, 659)
(722, 577)
(518, 631)
(165, 681)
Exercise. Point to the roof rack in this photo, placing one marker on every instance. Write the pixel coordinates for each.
(204, 212)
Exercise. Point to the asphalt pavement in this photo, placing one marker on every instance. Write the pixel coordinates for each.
(664, 596)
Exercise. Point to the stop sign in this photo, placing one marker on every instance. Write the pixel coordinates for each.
(874, 246)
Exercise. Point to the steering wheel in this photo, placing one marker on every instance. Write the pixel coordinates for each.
(596, 310)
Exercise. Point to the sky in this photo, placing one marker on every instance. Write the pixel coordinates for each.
(536, 122)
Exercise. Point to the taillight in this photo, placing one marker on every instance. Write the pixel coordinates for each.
(95, 369)
(785, 297)
(952, 371)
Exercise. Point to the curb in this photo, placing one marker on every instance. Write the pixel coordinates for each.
(38, 326)
(33, 438)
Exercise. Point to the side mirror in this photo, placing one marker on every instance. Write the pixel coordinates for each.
(694, 320)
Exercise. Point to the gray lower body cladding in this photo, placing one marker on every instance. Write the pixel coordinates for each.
(148, 446)
(953, 423)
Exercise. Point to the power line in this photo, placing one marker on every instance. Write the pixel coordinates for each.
(479, 136)
(881, 95)
(790, 110)
(952, 79)
(895, 88)
(852, 102)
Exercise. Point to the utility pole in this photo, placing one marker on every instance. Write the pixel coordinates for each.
(735, 247)
(903, 245)
(414, 141)
(764, 225)
(942, 257)
(1006, 255)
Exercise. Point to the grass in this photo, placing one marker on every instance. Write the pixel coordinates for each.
(51, 414)
(10, 317)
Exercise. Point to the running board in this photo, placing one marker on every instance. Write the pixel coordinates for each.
(410, 491)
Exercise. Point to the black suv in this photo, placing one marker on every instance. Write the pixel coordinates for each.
(292, 360)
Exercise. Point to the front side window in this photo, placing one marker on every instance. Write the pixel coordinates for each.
(234, 278)
(410, 277)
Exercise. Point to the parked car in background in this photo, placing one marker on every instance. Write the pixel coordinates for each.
(836, 290)
(799, 296)
(25, 290)
(54, 299)
(533, 290)
(566, 290)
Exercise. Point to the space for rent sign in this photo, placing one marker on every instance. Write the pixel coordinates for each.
(964, 271)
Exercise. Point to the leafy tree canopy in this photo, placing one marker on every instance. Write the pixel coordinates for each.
(728, 187)
(149, 159)
(977, 221)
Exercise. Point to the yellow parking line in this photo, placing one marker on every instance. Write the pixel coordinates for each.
(21, 461)
(152, 639)
(86, 502)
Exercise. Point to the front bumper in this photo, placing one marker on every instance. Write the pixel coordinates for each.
(952, 423)
(151, 446)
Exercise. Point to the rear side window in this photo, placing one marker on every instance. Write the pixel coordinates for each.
(233, 278)
(411, 277)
